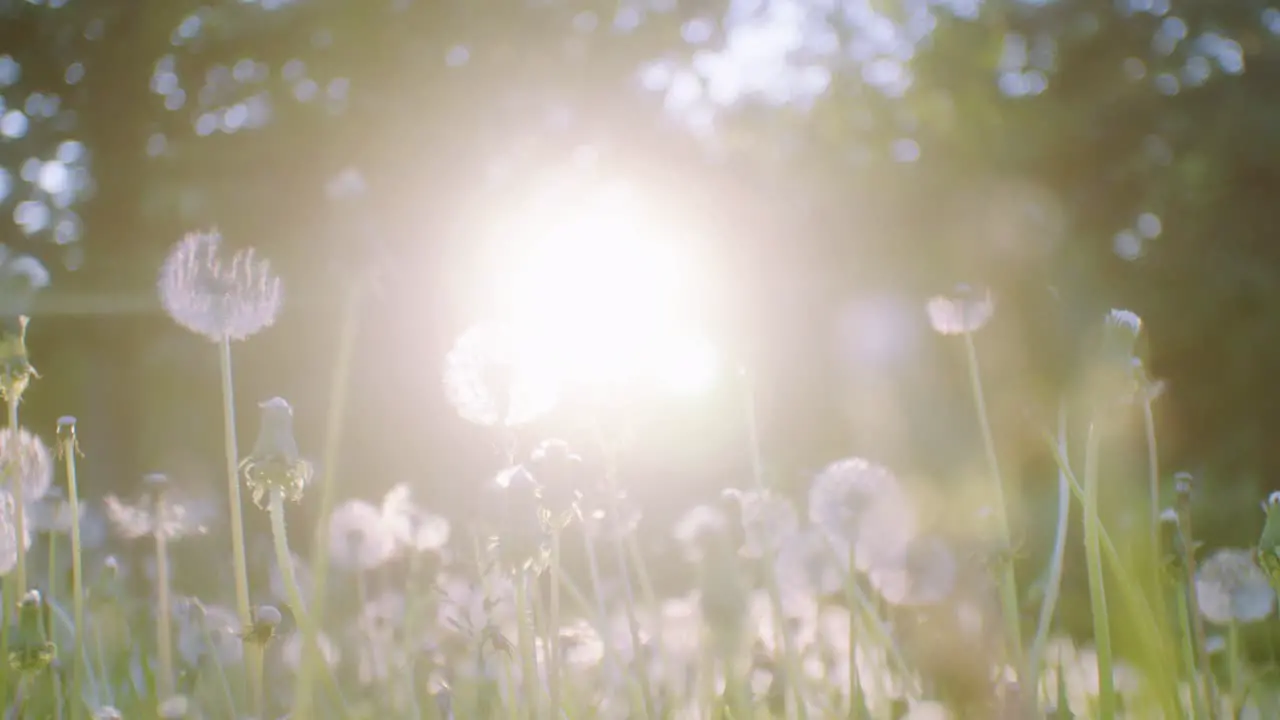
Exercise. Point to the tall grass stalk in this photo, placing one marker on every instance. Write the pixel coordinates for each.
(1007, 580)
(1140, 613)
(252, 655)
(1049, 606)
(328, 493)
(1097, 588)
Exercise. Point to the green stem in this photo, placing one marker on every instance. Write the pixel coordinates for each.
(1008, 581)
(253, 657)
(1189, 658)
(19, 507)
(1193, 602)
(1050, 604)
(69, 450)
(164, 631)
(284, 559)
(1097, 591)
(528, 658)
(328, 494)
(1153, 644)
(1234, 671)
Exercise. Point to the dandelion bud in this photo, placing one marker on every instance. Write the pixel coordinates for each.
(1119, 373)
(30, 650)
(15, 367)
(1182, 484)
(67, 429)
(275, 463)
(266, 618)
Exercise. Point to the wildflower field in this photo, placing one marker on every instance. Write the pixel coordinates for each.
(857, 599)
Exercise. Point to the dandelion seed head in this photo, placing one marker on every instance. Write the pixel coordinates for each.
(413, 528)
(1231, 587)
(700, 525)
(9, 534)
(860, 505)
(925, 575)
(107, 712)
(767, 521)
(169, 513)
(966, 310)
(215, 299)
(26, 459)
(490, 379)
(358, 538)
(174, 707)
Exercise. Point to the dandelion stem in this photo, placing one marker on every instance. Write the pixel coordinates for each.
(1050, 604)
(1189, 658)
(528, 656)
(1097, 591)
(1193, 603)
(164, 630)
(1008, 581)
(328, 492)
(1234, 672)
(253, 659)
(284, 559)
(69, 450)
(19, 504)
(553, 623)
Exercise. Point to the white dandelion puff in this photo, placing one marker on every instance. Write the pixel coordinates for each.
(219, 301)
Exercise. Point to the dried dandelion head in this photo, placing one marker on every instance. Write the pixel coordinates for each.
(963, 311)
(275, 463)
(219, 301)
(16, 370)
(490, 381)
(1230, 587)
(24, 458)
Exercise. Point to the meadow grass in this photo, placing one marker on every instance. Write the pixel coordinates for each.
(845, 603)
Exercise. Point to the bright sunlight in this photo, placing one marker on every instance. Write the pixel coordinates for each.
(604, 289)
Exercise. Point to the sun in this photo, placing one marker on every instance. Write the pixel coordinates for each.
(603, 291)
